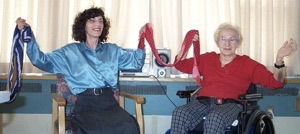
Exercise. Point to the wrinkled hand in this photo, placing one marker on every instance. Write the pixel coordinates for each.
(287, 48)
(21, 23)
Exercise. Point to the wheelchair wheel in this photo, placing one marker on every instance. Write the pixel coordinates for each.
(259, 123)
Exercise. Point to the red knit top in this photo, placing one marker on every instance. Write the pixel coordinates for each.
(231, 80)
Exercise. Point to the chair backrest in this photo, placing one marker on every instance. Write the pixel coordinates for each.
(63, 90)
(252, 89)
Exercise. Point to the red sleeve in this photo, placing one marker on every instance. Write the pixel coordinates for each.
(265, 78)
(185, 66)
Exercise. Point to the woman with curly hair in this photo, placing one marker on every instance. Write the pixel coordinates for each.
(90, 68)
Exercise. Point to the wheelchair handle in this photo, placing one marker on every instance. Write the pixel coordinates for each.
(184, 93)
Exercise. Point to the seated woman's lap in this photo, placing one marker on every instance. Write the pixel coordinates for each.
(221, 116)
(186, 117)
(102, 114)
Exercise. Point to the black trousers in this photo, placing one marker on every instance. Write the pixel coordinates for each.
(218, 117)
(101, 114)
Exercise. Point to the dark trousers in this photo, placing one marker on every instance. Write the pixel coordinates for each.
(101, 114)
(187, 117)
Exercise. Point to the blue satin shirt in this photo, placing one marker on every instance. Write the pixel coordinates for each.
(83, 67)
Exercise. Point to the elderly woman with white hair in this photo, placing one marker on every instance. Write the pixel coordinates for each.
(225, 75)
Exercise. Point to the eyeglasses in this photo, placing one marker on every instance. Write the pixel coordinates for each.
(231, 39)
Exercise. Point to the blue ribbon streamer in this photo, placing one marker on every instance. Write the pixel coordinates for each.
(16, 61)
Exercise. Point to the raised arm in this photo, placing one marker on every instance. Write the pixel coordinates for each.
(280, 70)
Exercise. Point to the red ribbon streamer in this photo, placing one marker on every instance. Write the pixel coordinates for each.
(188, 41)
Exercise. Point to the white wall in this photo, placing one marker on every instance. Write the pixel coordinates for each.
(154, 124)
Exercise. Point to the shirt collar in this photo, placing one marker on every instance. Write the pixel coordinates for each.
(83, 47)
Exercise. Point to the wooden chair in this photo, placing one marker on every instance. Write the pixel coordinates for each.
(59, 104)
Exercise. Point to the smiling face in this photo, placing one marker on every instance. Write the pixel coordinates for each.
(94, 27)
(227, 42)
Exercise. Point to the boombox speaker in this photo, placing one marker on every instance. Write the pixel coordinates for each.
(160, 70)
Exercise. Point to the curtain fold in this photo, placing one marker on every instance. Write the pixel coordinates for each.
(265, 25)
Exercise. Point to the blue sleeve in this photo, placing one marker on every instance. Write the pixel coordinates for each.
(131, 59)
(49, 62)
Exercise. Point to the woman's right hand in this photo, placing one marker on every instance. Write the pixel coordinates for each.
(21, 23)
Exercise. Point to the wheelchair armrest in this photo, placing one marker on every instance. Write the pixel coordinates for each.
(185, 93)
(250, 97)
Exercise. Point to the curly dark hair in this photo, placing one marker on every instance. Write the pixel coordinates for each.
(78, 28)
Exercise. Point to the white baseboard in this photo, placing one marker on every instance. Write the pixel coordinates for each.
(287, 125)
(25, 123)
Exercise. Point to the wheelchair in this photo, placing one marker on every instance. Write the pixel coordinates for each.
(251, 120)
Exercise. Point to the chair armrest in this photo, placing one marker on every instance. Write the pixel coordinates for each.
(250, 97)
(185, 93)
(58, 113)
(137, 99)
(59, 99)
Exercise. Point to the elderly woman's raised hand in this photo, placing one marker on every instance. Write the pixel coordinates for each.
(21, 23)
(287, 48)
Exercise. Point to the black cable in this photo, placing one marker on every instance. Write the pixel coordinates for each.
(163, 89)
